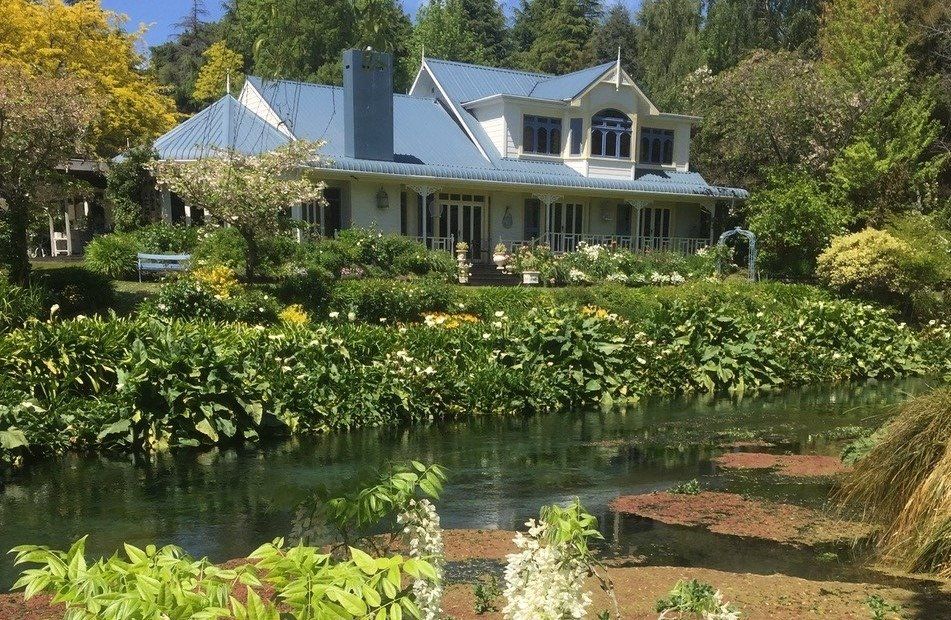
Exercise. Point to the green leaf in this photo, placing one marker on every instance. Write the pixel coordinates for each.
(204, 427)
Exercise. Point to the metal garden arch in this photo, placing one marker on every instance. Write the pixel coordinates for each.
(750, 238)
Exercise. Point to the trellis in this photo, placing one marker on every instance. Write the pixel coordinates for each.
(751, 240)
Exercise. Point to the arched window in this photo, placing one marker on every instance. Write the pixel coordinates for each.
(611, 134)
(657, 146)
(528, 139)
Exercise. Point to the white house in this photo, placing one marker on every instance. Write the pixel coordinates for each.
(497, 155)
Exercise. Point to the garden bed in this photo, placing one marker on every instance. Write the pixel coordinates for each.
(793, 465)
(735, 515)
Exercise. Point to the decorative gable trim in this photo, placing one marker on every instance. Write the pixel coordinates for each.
(453, 105)
(613, 73)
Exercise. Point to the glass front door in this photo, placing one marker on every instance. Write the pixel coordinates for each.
(460, 216)
(565, 222)
(654, 228)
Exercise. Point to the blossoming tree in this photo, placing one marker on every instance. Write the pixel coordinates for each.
(246, 191)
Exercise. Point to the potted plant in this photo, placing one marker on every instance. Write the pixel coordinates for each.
(501, 256)
(464, 270)
(528, 265)
(462, 250)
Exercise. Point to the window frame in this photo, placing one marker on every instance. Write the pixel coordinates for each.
(657, 146)
(543, 129)
(614, 126)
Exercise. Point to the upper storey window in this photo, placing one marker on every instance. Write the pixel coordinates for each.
(657, 146)
(611, 134)
(541, 134)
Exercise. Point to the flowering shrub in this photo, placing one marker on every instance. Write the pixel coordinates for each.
(220, 280)
(211, 294)
(294, 315)
(545, 579)
(590, 264)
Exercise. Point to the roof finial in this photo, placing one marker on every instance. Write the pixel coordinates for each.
(617, 72)
(422, 54)
(228, 82)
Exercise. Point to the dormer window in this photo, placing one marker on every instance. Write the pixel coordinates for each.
(611, 134)
(542, 135)
(657, 146)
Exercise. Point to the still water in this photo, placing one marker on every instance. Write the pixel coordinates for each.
(222, 504)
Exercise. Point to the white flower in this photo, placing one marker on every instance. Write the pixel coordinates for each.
(351, 316)
(499, 314)
(334, 315)
(424, 537)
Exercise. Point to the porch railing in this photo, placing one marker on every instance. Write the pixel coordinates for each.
(568, 242)
(439, 243)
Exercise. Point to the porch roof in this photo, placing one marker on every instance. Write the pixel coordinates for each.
(544, 175)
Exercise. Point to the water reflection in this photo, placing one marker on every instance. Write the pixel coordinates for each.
(224, 503)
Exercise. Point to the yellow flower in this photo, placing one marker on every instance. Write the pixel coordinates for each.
(595, 311)
(219, 279)
(449, 321)
(295, 315)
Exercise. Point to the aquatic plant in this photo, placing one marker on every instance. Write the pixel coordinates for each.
(690, 487)
(694, 598)
(902, 483)
(486, 591)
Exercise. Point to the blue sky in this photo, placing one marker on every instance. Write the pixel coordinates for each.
(161, 15)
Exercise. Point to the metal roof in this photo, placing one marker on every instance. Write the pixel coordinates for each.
(569, 85)
(423, 133)
(222, 124)
(429, 141)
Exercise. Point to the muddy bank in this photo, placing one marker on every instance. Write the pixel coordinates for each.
(776, 597)
(793, 465)
(728, 513)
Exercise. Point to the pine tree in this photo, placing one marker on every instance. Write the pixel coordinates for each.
(554, 35)
(442, 32)
(485, 19)
(669, 48)
(616, 31)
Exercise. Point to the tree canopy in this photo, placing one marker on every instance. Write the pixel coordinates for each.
(50, 39)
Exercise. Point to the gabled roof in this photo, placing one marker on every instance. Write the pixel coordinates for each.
(423, 132)
(568, 86)
(431, 142)
(225, 123)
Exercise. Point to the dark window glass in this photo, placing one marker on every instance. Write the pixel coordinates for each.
(528, 139)
(576, 127)
(625, 145)
(532, 226)
(657, 146)
(541, 134)
(615, 127)
(332, 212)
(597, 142)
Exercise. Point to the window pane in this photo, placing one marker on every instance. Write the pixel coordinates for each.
(610, 144)
(528, 138)
(532, 218)
(555, 147)
(645, 148)
(577, 125)
(655, 151)
(597, 145)
(542, 143)
(625, 145)
(665, 223)
(668, 151)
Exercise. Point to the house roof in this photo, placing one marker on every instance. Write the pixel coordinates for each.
(430, 141)
(222, 124)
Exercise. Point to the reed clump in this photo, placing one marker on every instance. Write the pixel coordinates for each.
(904, 484)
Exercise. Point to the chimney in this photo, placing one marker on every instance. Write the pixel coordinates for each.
(368, 104)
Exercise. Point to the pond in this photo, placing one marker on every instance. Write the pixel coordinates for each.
(225, 503)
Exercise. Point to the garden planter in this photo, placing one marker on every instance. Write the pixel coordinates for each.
(530, 277)
(461, 256)
(464, 279)
(499, 260)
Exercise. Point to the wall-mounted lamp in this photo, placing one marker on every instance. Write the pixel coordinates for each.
(382, 199)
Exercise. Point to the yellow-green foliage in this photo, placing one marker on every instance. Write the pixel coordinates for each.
(903, 484)
(871, 263)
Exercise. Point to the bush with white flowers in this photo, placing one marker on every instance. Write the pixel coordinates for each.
(545, 579)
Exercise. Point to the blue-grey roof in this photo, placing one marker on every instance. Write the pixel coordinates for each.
(570, 85)
(423, 133)
(429, 141)
(222, 124)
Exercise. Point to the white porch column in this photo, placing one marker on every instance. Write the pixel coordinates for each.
(424, 191)
(547, 200)
(637, 206)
